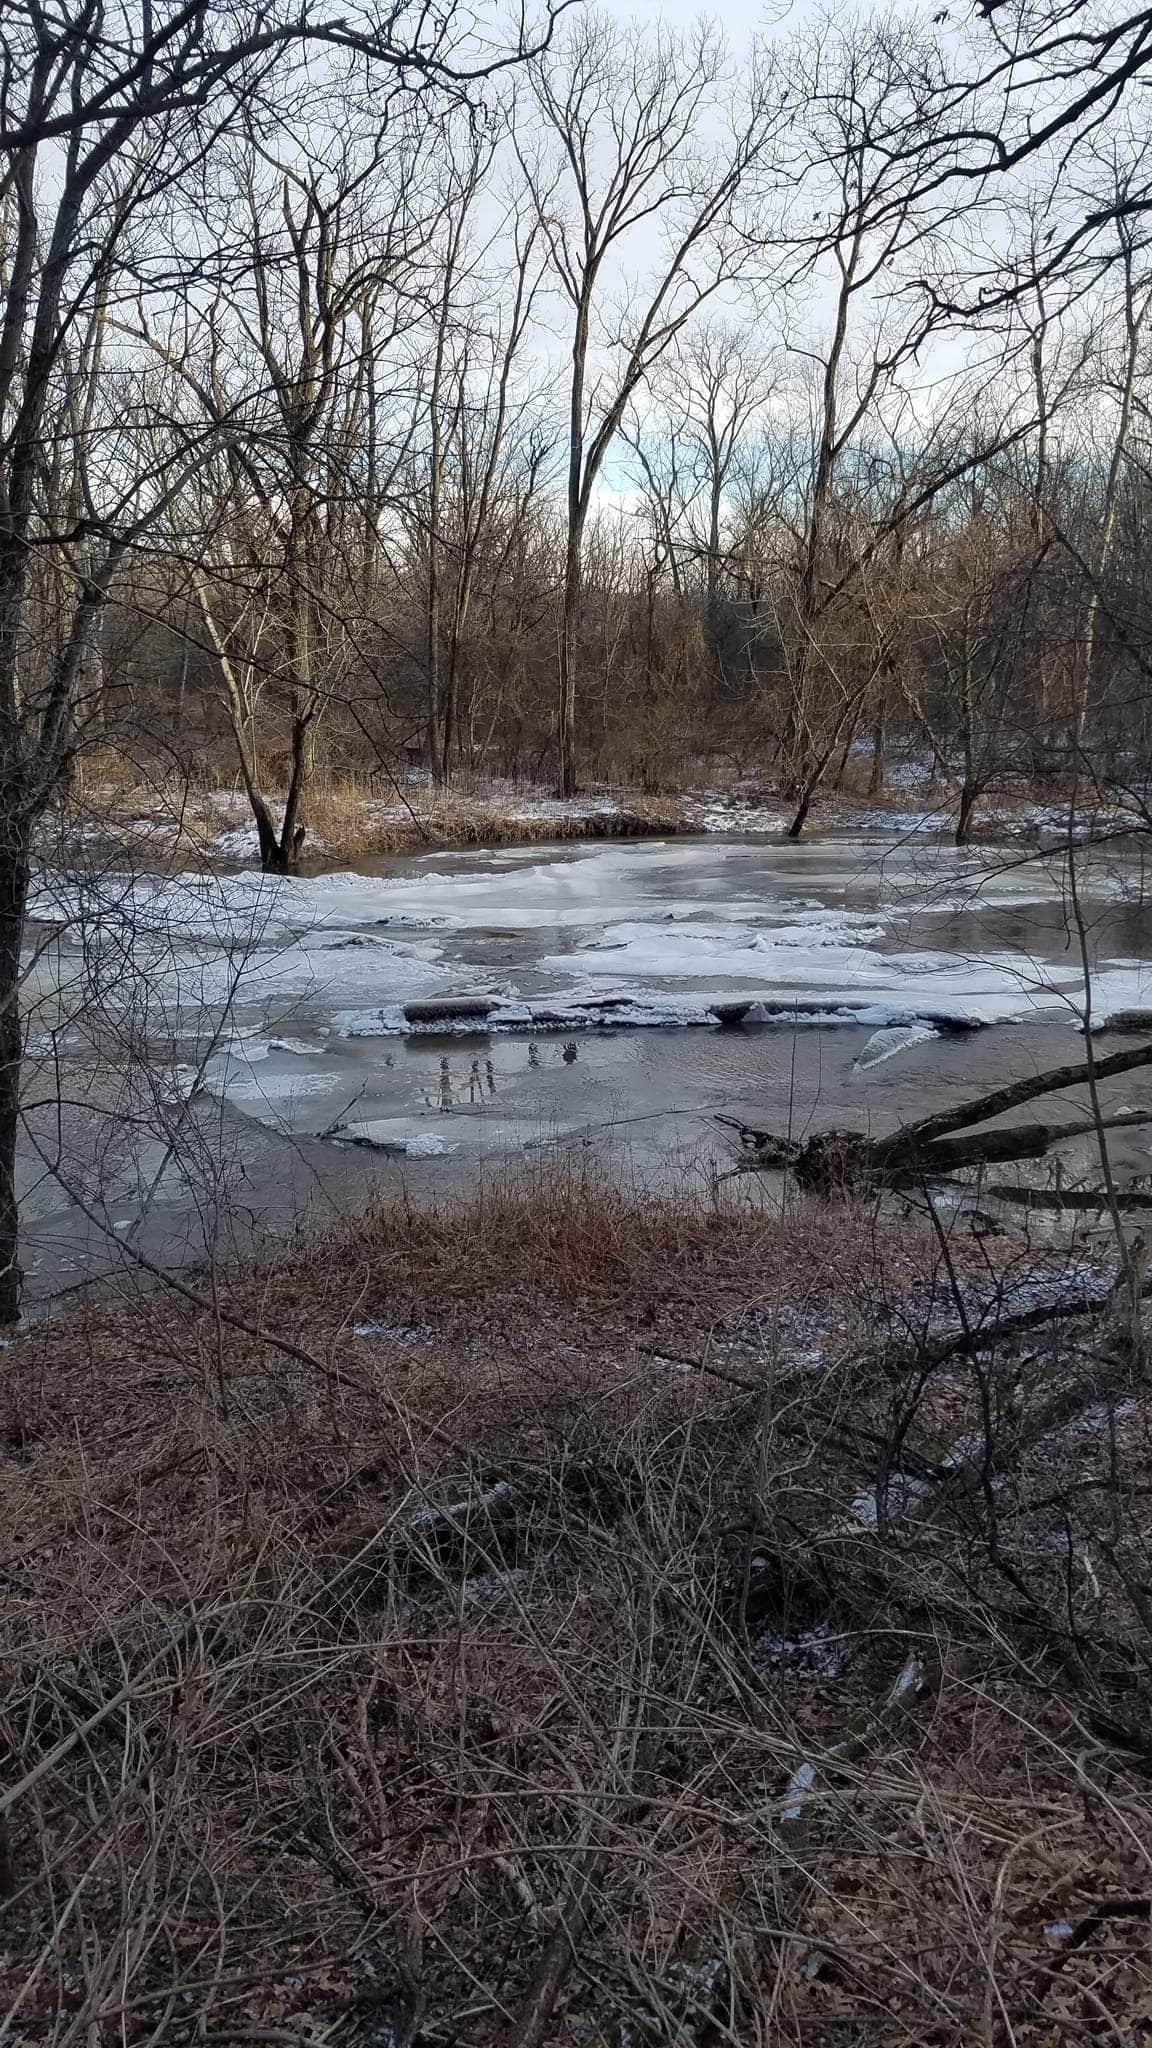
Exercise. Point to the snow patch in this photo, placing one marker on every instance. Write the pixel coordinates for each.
(554, 809)
(896, 824)
(400, 1333)
(713, 812)
(815, 1653)
(799, 1785)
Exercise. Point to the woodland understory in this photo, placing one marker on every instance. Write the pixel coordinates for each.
(614, 406)
(592, 1624)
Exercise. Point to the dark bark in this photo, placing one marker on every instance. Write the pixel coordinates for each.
(969, 796)
(845, 756)
(14, 868)
(1054, 1200)
(566, 705)
(1014, 1096)
(814, 775)
(879, 750)
(843, 1162)
(278, 850)
(292, 831)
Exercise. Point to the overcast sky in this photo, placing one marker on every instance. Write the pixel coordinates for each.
(738, 18)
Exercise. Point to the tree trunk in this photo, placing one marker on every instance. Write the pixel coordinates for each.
(845, 757)
(14, 864)
(435, 708)
(291, 838)
(834, 1163)
(800, 817)
(451, 710)
(879, 740)
(566, 705)
(969, 796)
(819, 768)
(267, 838)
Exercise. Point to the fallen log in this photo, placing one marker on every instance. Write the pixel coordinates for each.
(1054, 1200)
(1016, 1094)
(845, 1162)
(1018, 1141)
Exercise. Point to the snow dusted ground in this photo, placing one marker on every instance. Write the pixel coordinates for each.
(217, 824)
(718, 812)
(706, 812)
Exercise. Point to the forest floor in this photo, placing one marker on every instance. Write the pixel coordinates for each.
(558, 1619)
(352, 820)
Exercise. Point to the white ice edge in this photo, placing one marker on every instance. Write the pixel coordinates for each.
(373, 942)
(543, 1015)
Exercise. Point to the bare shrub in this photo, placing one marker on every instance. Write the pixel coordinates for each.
(483, 1670)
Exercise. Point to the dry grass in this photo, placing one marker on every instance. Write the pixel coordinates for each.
(351, 826)
(348, 819)
(401, 1639)
(150, 821)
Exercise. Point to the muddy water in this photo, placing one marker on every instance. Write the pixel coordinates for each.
(268, 1030)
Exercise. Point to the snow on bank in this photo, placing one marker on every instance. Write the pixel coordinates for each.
(996, 817)
(712, 811)
(872, 818)
(219, 822)
(555, 810)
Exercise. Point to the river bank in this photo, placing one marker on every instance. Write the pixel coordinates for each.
(349, 820)
(561, 1554)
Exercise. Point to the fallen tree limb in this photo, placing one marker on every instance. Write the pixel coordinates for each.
(986, 1336)
(1018, 1141)
(844, 1162)
(1127, 1199)
(1015, 1095)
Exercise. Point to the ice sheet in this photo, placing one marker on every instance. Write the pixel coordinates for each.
(665, 931)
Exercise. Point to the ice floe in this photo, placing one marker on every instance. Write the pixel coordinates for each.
(396, 1134)
(610, 936)
(895, 1039)
(464, 1017)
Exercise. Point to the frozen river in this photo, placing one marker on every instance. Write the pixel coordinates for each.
(409, 1021)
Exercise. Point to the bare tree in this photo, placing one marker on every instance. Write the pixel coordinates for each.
(694, 444)
(620, 164)
(103, 114)
(281, 374)
(491, 420)
(467, 170)
(126, 65)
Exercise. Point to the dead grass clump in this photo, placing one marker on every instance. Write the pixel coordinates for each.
(347, 819)
(465, 1630)
(351, 823)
